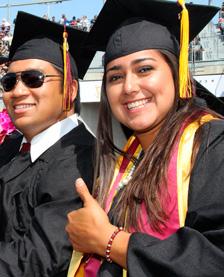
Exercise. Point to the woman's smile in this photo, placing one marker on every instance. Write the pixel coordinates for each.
(138, 104)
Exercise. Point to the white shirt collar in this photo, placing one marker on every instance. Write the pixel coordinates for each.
(43, 141)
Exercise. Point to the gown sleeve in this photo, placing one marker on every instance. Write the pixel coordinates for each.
(197, 249)
(35, 242)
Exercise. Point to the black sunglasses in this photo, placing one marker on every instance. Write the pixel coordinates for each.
(31, 78)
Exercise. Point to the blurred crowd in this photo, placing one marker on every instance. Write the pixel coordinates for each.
(221, 22)
(81, 23)
(5, 40)
(5, 37)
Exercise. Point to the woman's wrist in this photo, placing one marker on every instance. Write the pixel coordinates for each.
(104, 237)
(110, 243)
(118, 247)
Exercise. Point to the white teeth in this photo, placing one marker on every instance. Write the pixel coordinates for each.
(25, 106)
(137, 104)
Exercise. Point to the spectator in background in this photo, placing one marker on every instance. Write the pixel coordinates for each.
(85, 25)
(64, 20)
(198, 49)
(221, 27)
(5, 27)
(4, 48)
(45, 16)
(93, 21)
(221, 13)
(78, 24)
(73, 22)
(3, 66)
(195, 50)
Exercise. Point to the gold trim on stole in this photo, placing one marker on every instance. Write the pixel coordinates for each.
(184, 165)
(74, 263)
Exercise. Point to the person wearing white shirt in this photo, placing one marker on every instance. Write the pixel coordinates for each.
(37, 184)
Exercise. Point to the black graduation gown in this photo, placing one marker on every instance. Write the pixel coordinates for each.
(196, 250)
(35, 200)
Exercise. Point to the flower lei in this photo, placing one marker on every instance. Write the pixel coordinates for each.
(6, 125)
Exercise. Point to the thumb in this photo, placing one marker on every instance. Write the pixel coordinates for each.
(83, 191)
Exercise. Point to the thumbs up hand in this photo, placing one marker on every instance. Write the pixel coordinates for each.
(88, 228)
(84, 193)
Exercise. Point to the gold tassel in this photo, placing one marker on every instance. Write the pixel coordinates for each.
(67, 74)
(185, 90)
(65, 49)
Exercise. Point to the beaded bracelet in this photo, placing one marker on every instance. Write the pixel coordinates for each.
(109, 244)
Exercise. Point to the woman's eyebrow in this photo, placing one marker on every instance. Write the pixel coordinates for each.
(142, 60)
(115, 67)
(118, 67)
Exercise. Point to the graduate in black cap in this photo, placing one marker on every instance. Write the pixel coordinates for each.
(160, 209)
(54, 148)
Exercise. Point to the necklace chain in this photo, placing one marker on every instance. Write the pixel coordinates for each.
(128, 177)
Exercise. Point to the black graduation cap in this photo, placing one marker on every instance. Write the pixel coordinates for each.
(36, 37)
(161, 20)
(127, 26)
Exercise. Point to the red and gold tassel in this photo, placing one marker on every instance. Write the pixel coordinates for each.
(67, 86)
(185, 90)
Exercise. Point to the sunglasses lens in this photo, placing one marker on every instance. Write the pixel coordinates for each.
(8, 81)
(32, 78)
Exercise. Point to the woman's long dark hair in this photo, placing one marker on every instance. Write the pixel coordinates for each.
(150, 177)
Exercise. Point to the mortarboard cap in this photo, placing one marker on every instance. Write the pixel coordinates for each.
(127, 26)
(160, 28)
(36, 37)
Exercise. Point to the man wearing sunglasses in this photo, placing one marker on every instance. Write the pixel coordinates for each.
(54, 149)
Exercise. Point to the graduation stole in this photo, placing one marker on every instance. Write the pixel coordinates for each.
(182, 152)
(122, 168)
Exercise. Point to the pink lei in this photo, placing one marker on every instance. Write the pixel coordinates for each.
(6, 125)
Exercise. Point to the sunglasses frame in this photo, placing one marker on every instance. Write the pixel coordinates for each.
(19, 76)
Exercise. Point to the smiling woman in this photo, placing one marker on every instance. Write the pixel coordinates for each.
(153, 214)
(137, 97)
